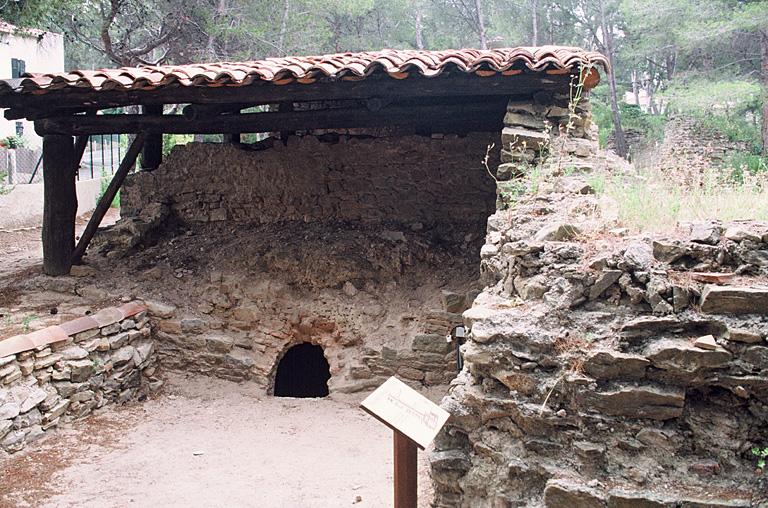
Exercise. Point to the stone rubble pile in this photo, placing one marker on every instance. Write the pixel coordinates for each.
(104, 357)
(605, 370)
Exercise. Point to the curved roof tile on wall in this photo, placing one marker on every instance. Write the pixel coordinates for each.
(308, 68)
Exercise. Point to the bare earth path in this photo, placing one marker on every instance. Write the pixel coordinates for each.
(209, 443)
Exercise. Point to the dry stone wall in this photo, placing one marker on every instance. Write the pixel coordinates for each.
(410, 179)
(97, 359)
(606, 370)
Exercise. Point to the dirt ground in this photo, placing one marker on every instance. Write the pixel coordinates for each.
(207, 442)
(199, 442)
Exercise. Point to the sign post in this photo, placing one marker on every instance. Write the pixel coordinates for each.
(415, 421)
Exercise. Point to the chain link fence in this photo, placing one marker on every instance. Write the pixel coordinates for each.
(25, 165)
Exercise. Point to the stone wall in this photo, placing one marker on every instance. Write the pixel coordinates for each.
(366, 246)
(97, 359)
(410, 179)
(608, 370)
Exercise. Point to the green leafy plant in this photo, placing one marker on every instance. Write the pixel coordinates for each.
(104, 184)
(762, 455)
(26, 321)
(12, 142)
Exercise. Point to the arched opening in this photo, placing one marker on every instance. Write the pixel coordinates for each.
(302, 372)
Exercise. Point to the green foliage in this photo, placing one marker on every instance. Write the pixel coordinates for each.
(25, 322)
(13, 142)
(104, 184)
(4, 188)
(171, 140)
(632, 118)
(762, 455)
(712, 195)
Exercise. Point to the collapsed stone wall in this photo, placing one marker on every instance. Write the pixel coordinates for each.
(604, 369)
(97, 359)
(410, 179)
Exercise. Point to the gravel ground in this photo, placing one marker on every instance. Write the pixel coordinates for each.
(206, 442)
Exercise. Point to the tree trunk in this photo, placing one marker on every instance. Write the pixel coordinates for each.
(283, 28)
(419, 27)
(535, 22)
(764, 45)
(620, 140)
(481, 24)
(635, 87)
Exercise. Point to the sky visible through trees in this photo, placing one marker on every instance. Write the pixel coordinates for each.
(708, 52)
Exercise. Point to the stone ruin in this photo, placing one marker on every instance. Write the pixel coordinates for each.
(606, 370)
(601, 370)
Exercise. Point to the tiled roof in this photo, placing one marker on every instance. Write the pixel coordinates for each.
(64, 331)
(396, 63)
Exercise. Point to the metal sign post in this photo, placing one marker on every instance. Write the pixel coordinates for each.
(415, 421)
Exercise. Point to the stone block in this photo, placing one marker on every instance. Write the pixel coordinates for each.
(159, 309)
(431, 343)
(35, 397)
(734, 300)
(517, 381)
(556, 233)
(681, 356)
(518, 138)
(604, 365)
(744, 335)
(565, 493)
(605, 280)
(652, 402)
(641, 499)
(218, 343)
(522, 119)
(81, 370)
(119, 340)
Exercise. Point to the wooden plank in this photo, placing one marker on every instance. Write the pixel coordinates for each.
(106, 199)
(59, 205)
(152, 153)
(446, 85)
(406, 473)
(488, 115)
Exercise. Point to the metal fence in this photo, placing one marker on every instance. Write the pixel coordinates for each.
(25, 165)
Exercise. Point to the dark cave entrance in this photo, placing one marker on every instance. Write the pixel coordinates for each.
(302, 372)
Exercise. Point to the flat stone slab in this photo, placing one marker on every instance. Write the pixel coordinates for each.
(734, 300)
(681, 356)
(650, 402)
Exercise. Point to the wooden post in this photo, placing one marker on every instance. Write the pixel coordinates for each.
(152, 154)
(59, 205)
(405, 471)
(233, 139)
(106, 199)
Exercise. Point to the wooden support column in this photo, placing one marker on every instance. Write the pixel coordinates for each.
(106, 199)
(233, 139)
(59, 205)
(405, 471)
(152, 154)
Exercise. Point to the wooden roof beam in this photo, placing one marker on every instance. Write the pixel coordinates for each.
(448, 85)
(483, 114)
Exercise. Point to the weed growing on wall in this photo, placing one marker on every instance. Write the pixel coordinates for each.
(762, 455)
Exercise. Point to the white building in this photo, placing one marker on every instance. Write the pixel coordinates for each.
(27, 50)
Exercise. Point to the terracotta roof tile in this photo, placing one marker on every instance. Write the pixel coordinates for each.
(392, 62)
(58, 333)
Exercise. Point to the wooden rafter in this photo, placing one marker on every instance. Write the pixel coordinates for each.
(437, 117)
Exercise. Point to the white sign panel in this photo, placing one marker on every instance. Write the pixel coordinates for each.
(404, 409)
